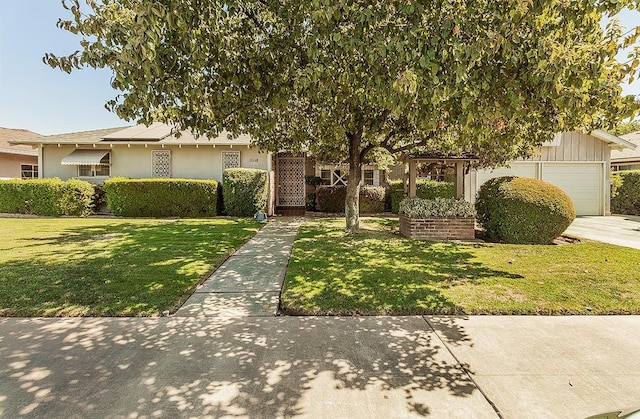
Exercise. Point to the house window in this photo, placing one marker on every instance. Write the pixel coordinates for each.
(325, 175)
(367, 177)
(95, 170)
(29, 171)
(161, 163)
(230, 159)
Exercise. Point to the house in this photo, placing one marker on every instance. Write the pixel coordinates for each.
(579, 164)
(627, 159)
(17, 161)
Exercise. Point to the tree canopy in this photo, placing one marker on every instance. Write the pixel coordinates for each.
(495, 78)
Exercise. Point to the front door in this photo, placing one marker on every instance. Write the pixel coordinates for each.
(291, 188)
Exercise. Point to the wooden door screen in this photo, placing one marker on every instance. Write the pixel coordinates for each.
(291, 182)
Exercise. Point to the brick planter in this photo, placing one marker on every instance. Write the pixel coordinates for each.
(438, 228)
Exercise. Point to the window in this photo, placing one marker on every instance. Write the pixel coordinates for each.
(325, 175)
(161, 163)
(95, 170)
(367, 178)
(230, 159)
(29, 171)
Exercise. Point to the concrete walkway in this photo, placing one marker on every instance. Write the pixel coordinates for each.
(622, 230)
(250, 281)
(315, 367)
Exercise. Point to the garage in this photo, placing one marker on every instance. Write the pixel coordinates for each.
(576, 162)
(581, 181)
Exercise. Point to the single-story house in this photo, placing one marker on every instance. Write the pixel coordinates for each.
(627, 159)
(17, 161)
(577, 163)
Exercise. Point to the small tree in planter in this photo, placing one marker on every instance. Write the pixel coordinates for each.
(437, 219)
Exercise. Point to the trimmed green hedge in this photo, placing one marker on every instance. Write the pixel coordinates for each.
(162, 197)
(437, 208)
(523, 210)
(331, 199)
(625, 193)
(52, 197)
(245, 191)
(425, 189)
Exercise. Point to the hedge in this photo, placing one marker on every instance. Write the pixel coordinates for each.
(437, 208)
(331, 199)
(523, 210)
(425, 189)
(245, 191)
(52, 197)
(162, 197)
(625, 192)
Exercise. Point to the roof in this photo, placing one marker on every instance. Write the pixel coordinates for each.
(614, 141)
(156, 133)
(628, 155)
(10, 134)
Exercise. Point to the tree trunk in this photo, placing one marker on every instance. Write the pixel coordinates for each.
(352, 200)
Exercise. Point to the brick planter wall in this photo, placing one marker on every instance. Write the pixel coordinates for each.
(438, 228)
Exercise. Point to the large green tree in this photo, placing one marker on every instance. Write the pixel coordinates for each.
(347, 76)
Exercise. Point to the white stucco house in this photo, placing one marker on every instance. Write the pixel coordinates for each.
(577, 163)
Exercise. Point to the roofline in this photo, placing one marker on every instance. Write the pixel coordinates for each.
(19, 152)
(610, 138)
(631, 159)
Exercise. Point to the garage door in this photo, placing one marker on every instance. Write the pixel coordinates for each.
(581, 181)
(516, 169)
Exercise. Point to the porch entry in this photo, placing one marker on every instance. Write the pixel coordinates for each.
(290, 195)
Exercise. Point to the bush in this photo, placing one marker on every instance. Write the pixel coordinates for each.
(245, 191)
(99, 198)
(372, 199)
(162, 197)
(625, 192)
(52, 197)
(437, 208)
(523, 210)
(331, 199)
(425, 189)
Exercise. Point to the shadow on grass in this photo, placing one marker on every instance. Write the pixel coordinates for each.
(115, 269)
(376, 273)
(222, 367)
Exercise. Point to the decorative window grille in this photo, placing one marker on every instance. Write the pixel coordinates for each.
(230, 159)
(161, 163)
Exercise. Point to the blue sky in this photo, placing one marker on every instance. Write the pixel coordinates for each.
(35, 97)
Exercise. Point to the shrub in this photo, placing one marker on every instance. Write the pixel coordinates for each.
(52, 197)
(523, 210)
(426, 189)
(99, 198)
(437, 208)
(331, 199)
(372, 199)
(162, 197)
(245, 191)
(625, 192)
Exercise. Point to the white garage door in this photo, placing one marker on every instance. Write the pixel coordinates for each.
(516, 169)
(581, 181)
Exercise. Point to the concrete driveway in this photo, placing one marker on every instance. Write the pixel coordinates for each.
(622, 230)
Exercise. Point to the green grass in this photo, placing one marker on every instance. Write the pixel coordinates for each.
(379, 272)
(109, 267)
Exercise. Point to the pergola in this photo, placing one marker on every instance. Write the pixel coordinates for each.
(461, 162)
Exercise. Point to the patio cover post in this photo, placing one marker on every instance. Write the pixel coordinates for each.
(412, 178)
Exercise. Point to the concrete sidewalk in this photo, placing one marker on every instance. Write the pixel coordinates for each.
(250, 281)
(356, 367)
(622, 230)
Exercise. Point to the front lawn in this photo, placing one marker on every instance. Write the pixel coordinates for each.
(109, 267)
(379, 272)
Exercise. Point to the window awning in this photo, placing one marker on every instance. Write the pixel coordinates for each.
(85, 157)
